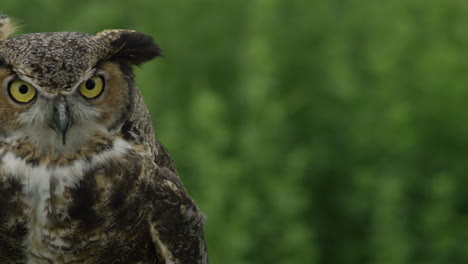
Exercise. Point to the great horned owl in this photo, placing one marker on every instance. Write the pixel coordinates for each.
(82, 177)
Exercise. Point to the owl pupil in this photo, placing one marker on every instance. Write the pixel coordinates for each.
(90, 84)
(23, 89)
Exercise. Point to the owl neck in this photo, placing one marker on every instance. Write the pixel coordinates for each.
(138, 127)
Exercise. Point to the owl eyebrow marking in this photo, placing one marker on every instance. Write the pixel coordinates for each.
(88, 74)
(18, 76)
(24, 77)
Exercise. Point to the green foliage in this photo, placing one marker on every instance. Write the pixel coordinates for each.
(316, 131)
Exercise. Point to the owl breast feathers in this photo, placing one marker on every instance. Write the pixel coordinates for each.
(82, 177)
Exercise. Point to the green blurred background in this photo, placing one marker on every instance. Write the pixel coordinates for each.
(309, 131)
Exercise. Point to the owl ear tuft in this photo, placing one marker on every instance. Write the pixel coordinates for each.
(130, 47)
(7, 27)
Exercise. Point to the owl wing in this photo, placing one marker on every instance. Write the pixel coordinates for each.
(177, 225)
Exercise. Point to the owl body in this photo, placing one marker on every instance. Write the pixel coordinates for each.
(82, 177)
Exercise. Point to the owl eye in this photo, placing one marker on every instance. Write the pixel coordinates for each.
(21, 92)
(92, 88)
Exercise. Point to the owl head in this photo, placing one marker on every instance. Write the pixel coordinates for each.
(58, 89)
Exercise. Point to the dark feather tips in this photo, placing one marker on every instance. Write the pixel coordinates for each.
(135, 48)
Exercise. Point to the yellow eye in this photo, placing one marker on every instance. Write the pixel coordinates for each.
(92, 88)
(21, 92)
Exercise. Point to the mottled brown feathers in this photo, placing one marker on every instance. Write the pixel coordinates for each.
(29, 55)
(74, 54)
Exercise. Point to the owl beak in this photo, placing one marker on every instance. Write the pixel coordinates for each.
(61, 118)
